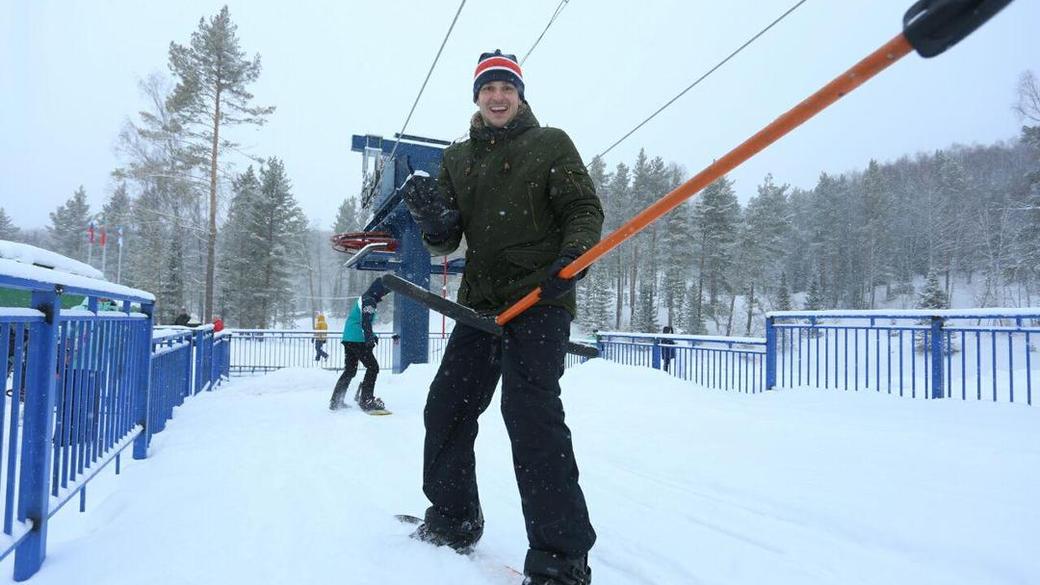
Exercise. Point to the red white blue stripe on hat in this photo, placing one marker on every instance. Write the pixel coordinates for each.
(499, 64)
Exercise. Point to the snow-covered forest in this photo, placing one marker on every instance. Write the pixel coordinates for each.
(209, 225)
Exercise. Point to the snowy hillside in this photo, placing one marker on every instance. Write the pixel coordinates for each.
(257, 483)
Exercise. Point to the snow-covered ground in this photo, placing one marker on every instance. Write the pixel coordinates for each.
(258, 483)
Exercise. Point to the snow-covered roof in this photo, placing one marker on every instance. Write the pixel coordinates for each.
(34, 256)
(81, 284)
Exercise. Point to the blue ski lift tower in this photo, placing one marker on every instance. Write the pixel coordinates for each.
(405, 256)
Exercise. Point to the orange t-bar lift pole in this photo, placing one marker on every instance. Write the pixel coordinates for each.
(931, 26)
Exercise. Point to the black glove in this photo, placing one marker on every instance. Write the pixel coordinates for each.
(438, 221)
(371, 342)
(555, 287)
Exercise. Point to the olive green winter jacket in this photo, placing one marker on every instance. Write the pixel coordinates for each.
(524, 196)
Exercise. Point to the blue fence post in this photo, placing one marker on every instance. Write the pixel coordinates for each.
(602, 347)
(214, 362)
(655, 359)
(937, 358)
(770, 353)
(185, 389)
(196, 342)
(38, 429)
(144, 385)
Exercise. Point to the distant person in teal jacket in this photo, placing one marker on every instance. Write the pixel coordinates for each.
(358, 342)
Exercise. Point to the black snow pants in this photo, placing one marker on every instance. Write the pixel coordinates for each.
(529, 360)
(354, 352)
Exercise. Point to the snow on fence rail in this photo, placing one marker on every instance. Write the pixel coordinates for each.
(81, 386)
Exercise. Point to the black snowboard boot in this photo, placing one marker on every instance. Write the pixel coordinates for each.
(372, 403)
(546, 568)
(336, 402)
(459, 536)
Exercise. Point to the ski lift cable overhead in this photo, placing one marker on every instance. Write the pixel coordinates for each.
(703, 77)
(552, 19)
(425, 81)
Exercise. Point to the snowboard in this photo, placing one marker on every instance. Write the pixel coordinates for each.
(463, 314)
(514, 575)
(377, 412)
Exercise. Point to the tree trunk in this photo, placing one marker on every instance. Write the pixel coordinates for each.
(729, 319)
(750, 308)
(700, 288)
(211, 244)
(632, 280)
(620, 292)
(321, 278)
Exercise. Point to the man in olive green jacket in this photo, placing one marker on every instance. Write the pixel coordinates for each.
(520, 195)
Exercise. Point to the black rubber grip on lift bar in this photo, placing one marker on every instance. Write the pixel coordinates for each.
(932, 26)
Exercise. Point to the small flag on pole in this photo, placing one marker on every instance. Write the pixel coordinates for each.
(102, 239)
(90, 233)
(119, 239)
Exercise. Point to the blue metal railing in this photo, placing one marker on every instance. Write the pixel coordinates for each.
(727, 363)
(265, 350)
(82, 385)
(981, 354)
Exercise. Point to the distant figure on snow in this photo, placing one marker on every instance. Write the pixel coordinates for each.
(183, 319)
(667, 353)
(321, 326)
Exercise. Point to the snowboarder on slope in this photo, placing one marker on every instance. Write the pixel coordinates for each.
(358, 342)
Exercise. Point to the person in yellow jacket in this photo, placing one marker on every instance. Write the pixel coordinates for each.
(321, 326)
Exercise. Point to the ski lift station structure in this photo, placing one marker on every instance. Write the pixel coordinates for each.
(409, 259)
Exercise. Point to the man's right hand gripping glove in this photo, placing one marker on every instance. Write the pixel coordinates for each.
(438, 221)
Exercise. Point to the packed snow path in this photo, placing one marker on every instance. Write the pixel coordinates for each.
(258, 483)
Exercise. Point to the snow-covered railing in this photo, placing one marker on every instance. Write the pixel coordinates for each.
(185, 361)
(265, 350)
(984, 354)
(728, 363)
(82, 385)
(76, 384)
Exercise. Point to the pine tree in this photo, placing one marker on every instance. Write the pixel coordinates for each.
(239, 256)
(8, 231)
(644, 319)
(347, 216)
(68, 230)
(213, 73)
(172, 292)
(932, 295)
(116, 211)
(783, 295)
(348, 219)
(694, 316)
(594, 293)
(677, 253)
(716, 217)
(815, 301)
(278, 228)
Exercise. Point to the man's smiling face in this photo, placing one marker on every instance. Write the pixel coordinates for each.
(499, 103)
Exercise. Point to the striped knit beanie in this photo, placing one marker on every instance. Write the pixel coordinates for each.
(497, 67)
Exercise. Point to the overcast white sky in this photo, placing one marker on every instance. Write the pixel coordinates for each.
(69, 72)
